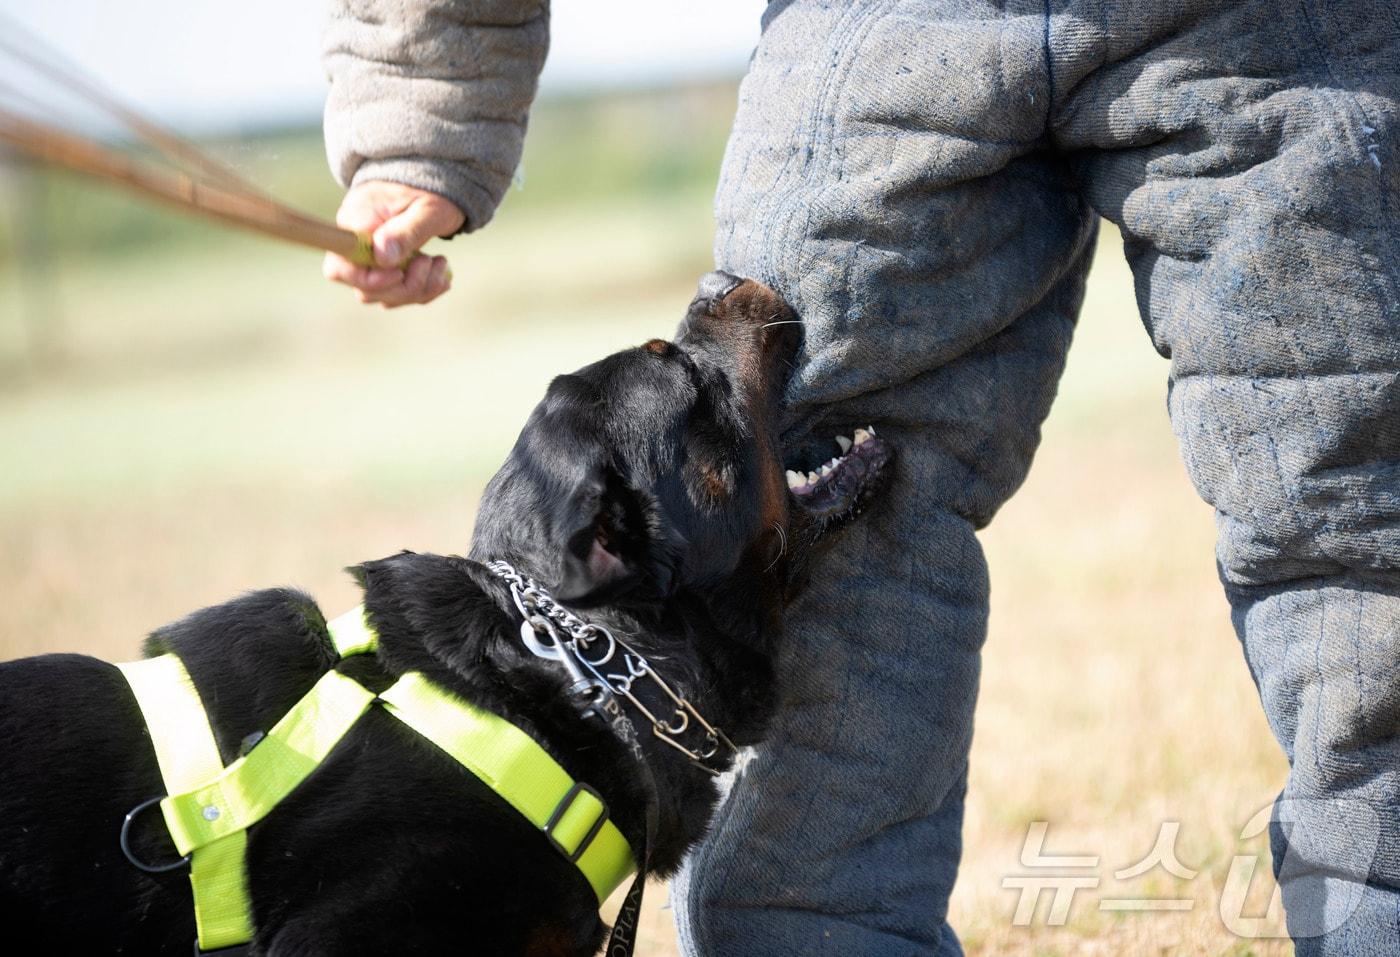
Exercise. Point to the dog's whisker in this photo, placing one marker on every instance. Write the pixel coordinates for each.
(782, 546)
(784, 322)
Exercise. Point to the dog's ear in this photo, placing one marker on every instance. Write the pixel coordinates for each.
(606, 543)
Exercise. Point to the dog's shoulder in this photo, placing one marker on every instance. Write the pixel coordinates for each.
(250, 658)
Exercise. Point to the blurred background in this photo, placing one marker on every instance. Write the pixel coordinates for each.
(187, 413)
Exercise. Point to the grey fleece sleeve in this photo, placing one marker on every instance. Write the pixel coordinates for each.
(433, 93)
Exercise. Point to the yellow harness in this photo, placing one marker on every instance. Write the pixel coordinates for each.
(208, 807)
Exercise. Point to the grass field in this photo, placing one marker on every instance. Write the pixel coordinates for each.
(185, 415)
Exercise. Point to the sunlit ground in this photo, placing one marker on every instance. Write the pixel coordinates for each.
(194, 415)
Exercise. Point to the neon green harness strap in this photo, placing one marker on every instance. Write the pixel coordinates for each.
(183, 741)
(351, 633)
(252, 786)
(188, 756)
(192, 771)
(209, 821)
(513, 765)
(209, 807)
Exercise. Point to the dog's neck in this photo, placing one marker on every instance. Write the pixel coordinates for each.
(455, 620)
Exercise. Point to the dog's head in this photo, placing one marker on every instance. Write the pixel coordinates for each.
(657, 470)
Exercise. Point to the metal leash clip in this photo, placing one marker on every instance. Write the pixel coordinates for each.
(584, 648)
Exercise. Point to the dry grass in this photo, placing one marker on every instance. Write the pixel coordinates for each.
(271, 434)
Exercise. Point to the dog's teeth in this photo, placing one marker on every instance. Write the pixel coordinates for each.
(826, 470)
(845, 444)
(862, 436)
(794, 480)
(813, 478)
(870, 429)
(834, 462)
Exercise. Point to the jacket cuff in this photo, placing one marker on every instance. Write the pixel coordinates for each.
(448, 180)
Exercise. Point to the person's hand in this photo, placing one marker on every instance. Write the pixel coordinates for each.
(400, 219)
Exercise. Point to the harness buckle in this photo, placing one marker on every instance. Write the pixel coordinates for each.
(565, 804)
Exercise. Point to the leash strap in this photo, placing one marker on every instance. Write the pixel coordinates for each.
(188, 756)
(622, 941)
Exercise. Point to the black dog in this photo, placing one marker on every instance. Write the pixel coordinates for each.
(647, 491)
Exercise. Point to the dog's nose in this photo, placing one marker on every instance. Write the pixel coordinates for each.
(714, 286)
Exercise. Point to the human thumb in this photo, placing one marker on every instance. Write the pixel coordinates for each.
(400, 236)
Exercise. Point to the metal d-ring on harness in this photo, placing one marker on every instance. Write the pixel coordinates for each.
(598, 660)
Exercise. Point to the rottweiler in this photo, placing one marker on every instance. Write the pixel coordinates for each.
(648, 496)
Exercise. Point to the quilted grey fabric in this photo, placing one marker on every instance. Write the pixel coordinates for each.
(921, 179)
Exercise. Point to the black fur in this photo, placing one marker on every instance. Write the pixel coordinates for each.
(646, 488)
